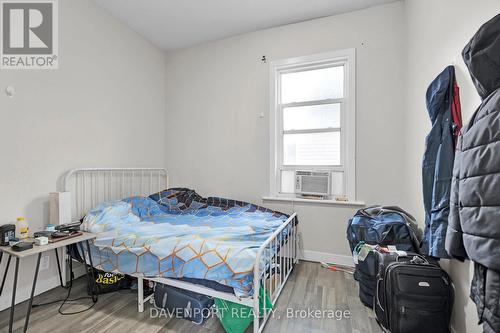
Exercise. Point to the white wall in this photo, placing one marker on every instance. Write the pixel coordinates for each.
(103, 107)
(218, 145)
(437, 31)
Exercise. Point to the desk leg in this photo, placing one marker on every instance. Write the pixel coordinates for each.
(5, 274)
(90, 273)
(86, 266)
(94, 296)
(13, 304)
(59, 268)
(30, 304)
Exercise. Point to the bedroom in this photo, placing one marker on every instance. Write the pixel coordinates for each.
(190, 88)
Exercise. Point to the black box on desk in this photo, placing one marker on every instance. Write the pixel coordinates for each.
(7, 232)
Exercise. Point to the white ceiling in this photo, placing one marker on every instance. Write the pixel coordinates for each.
(174, 24)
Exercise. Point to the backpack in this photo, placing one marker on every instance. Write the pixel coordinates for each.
(413, 294)
(384, 225)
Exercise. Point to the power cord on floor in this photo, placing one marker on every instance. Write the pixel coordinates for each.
(68, 300)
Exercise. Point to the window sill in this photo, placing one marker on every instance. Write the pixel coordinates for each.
(316, 201)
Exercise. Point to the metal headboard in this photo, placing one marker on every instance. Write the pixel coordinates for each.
(91, 186)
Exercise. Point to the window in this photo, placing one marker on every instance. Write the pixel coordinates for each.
(313, 121)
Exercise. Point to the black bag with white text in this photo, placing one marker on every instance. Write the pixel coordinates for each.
(107, 282)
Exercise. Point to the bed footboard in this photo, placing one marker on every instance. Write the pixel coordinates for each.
(280, 253)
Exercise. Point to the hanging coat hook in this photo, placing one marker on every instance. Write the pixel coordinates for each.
(263, 59)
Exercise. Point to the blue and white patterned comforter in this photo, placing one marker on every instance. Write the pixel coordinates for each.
(178, 234)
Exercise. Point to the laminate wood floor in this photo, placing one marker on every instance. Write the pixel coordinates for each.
(310, 287)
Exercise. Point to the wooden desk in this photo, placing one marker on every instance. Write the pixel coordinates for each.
(38, 250)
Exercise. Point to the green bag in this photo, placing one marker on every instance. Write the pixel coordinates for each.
(234, 317)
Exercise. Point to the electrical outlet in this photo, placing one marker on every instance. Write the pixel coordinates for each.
(44, 263)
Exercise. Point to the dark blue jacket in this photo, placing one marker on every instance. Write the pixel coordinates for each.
(437, 166)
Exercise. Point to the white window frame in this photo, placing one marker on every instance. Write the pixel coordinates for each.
(347, 58)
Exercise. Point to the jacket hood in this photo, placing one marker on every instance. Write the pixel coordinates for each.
(482, 57)
(439, 94)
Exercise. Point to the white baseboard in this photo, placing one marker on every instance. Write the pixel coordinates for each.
(327, 257)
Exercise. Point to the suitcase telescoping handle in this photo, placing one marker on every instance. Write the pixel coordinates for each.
(378, 304)
(377, 295)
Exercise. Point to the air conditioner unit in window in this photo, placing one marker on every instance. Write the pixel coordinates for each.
(314, 183)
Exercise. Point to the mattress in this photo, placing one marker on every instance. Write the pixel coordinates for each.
(179, 234)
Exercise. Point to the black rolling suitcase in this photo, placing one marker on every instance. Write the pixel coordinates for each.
(413, 295)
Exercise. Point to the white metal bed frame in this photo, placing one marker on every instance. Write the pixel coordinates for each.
(90, 186)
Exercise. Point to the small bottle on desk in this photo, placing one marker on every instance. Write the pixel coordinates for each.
(22, 228)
